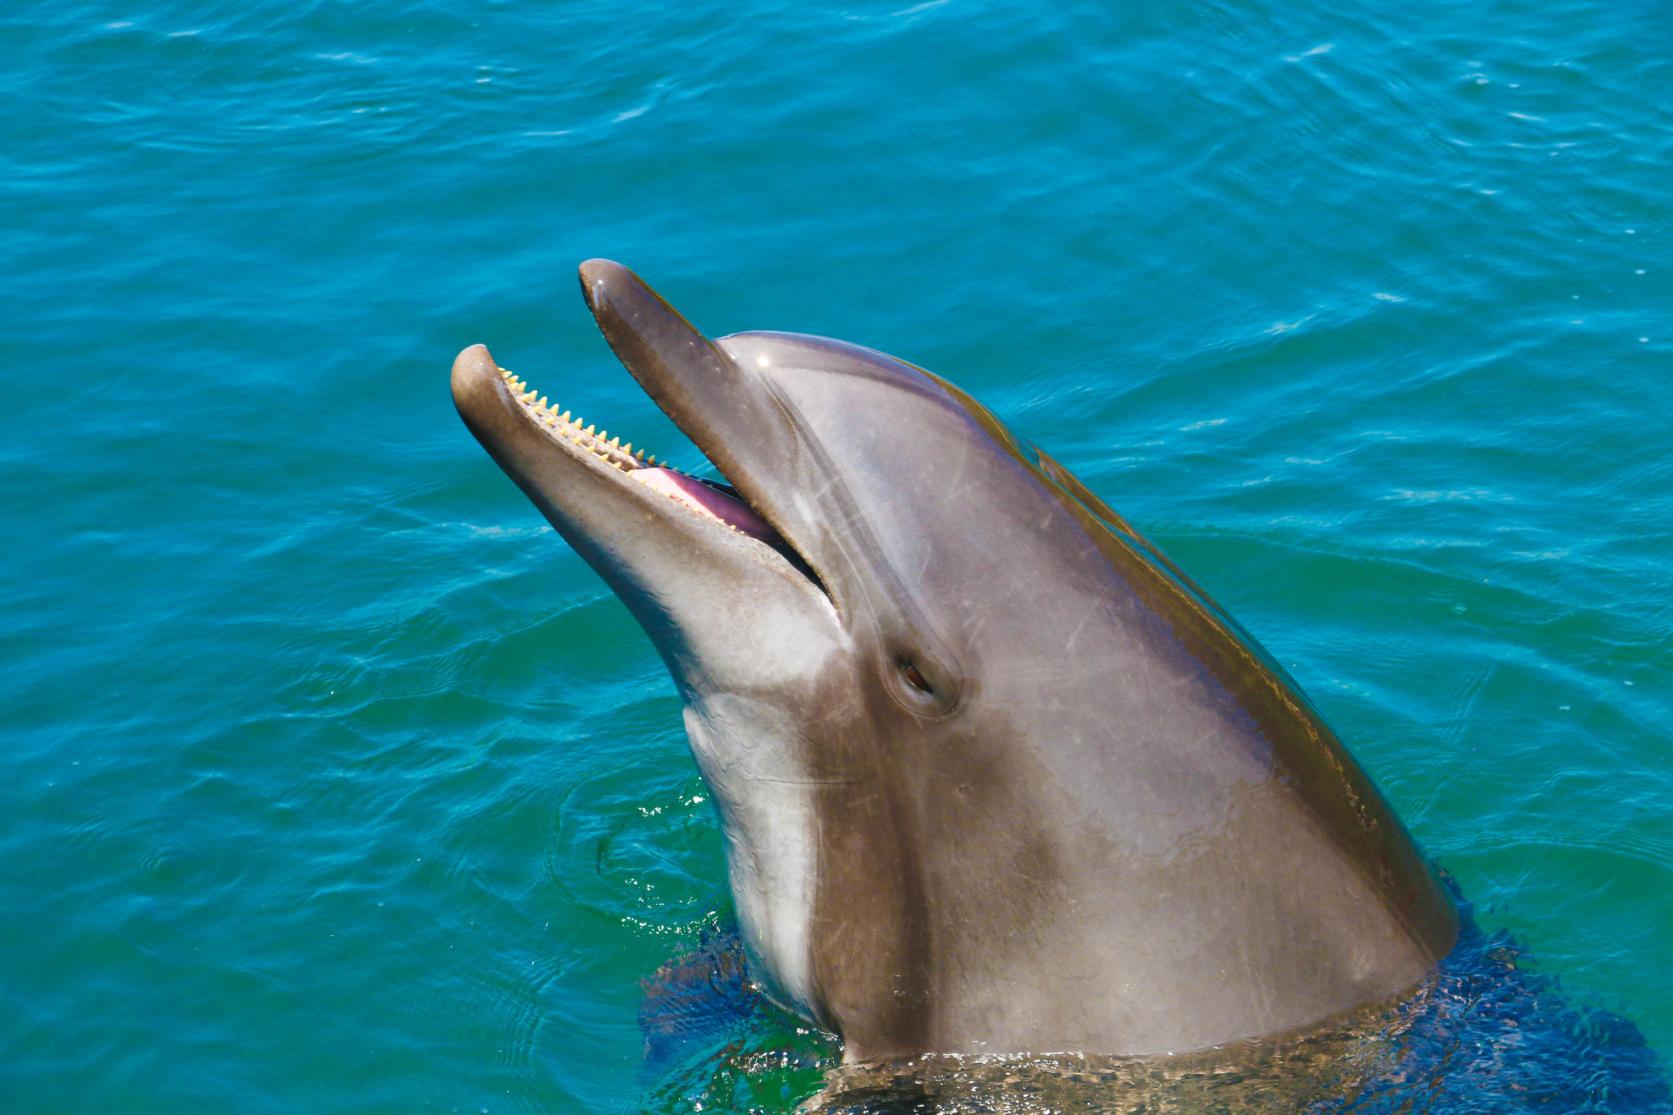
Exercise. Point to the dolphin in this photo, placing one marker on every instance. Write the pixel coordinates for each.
(994, 775)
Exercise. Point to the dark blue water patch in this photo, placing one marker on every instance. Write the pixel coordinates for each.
(713, 1041)
(696, 999)
(1493, 1033)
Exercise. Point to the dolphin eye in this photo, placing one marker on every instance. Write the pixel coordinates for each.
(930, 691)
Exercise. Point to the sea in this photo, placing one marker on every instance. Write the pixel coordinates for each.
(332, 780)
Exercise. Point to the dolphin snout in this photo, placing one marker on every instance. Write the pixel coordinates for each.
(474, 372)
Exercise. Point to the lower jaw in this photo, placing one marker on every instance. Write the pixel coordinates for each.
(698, 497)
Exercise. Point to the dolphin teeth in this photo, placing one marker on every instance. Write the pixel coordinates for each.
(618, 454)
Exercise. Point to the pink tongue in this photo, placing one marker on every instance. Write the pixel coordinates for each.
(704, 500)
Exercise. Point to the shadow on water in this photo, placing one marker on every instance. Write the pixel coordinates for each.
(1488, 1033)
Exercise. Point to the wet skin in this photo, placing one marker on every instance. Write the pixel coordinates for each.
(994, 775)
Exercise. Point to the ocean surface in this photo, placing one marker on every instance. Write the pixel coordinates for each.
(333, 781)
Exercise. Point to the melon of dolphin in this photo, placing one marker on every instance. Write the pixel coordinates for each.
(994, 775)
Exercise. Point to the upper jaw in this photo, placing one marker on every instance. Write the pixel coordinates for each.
(730, 412)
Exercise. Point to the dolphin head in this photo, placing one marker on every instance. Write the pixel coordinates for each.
(869, 508)
(962, 724)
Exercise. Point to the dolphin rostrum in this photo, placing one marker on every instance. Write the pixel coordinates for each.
(994, 775)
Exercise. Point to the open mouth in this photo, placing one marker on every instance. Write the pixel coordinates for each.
(599, 491)
(719, 503)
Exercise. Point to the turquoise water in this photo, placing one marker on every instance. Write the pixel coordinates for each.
(334, 781)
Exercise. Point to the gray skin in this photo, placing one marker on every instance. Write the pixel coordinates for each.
(994, 775)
